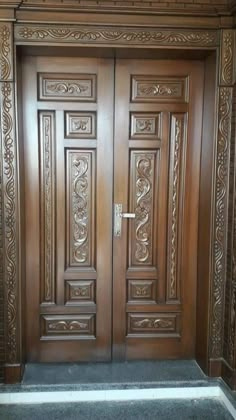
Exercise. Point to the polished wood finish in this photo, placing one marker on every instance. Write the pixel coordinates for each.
(156, 175)
(68, 213)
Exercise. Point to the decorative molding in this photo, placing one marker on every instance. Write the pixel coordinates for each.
(144, 126)
(10, 217)
(66, 326)
(143, 180)
(67, 87)
(80, 125)
(141, 290)
(220, 221)
(155, 89)
(227, 62)
(6, 69)
(153, 324)
(114, 35)
(47, 192)
(79, 291)
(174, 223)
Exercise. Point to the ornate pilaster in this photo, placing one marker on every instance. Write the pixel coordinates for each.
(9, 199)
(221, 193)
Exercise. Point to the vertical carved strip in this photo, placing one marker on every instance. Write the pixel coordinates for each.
(220, 221)
(6, 69)
(174, 211)
(10, 220)
(227, 62)
(80, 174)
(47, 192)
(143, 165)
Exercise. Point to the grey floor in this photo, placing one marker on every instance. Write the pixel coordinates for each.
(201, 409)
(112, 373)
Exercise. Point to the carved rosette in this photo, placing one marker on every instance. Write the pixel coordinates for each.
(227, 51)
(220, 220)
(81, 35)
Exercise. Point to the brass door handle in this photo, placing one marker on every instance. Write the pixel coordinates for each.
(118, 215)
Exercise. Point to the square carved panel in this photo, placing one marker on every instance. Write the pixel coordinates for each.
(65, 327)
(141, 290)
(80, 125)
(144, 126)
(158, 89)
(79, 291)
(67, 87)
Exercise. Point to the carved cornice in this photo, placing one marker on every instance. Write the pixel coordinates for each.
(114, 36)
(227, 55)
(220, 221)
(5, 51)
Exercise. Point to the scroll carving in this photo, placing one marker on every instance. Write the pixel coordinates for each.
(68, 87)
(220, 227)
(81, 125)
(115, 35)
(80, 212)
(144, 126)
(5, 52)
(66, 326)
(155, 324)
(174, 206)
(47, 169)
(78, 291)
(142, 179)
(158, 88)
(10, 218)
(227, 48)
(143, 290)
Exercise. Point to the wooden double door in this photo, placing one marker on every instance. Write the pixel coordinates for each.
(103, 138)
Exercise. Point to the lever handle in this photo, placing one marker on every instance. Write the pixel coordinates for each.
(118, 215)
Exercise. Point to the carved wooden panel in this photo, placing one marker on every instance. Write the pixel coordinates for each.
(157, 324)
(152, 89)
(47, 200)
(141, 290)
(67, 87)
(80, 125)
(176, 176)
(6, 68)
(80, 169)
(227, 62)
(114, 35)
(59, 327)
(144, 126)
(79, 291)
(143, 186)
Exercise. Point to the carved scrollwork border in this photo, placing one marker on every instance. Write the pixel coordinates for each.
(114, 36)
(227, 57)
(220, 221)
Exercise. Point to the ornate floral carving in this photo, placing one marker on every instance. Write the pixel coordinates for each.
(80, 196)
(219, 250)
(152, 323)
(69, 326)
(5, 52)
(10, 235)
(66, 88)
(145, 125)
(115, 35)
(80, 291)
(158, 90)
(227, 47)
(66, 325)
(47, 169)
(144, 178)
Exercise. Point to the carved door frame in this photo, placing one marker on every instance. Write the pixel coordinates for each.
(11, 205)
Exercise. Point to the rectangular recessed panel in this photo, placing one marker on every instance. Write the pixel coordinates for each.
(80, 125)
(47, 203)
(143, 193)
(144, 126)
(79, 291)
(154, 324)
(80, 170)
(158, 88)
(67, 87)
(67, 326)
(141, 290)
